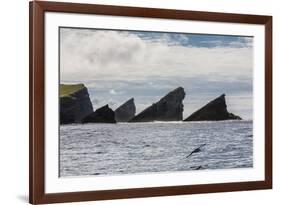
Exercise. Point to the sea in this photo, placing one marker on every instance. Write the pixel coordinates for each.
(129, 148)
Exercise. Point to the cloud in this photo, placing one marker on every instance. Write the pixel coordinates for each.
(112, 92)
(89, 55)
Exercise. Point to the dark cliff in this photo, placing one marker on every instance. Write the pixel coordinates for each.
(101, 115)
(168, 108)
(75, 103)
(126, 111)
(214, 110)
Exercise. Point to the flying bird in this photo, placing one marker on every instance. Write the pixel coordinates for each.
(198, 149)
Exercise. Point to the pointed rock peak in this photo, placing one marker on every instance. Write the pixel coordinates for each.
(130, 101)
(222, 96)
(177, 90)
(220, 99)
(168, 108)
(214, 110)
(104, 107)
(103, 114)
(126, 111)
(177, 94)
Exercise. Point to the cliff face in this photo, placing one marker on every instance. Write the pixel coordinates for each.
(101, 115)
(75, 103)
(126, 111)
(214, 110)
(168, 108)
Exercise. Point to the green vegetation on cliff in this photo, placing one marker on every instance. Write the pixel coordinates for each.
(66, 90)
(75, 103)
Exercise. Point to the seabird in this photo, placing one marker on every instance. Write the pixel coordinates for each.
(198, 149)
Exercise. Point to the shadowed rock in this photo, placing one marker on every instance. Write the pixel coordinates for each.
(126, 111)
(214, 110)
(101, 115)
(75, 103)
(168, 108)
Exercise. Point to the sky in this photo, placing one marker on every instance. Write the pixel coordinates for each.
(116, 65)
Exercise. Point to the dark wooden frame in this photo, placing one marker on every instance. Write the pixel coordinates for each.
(37, 194)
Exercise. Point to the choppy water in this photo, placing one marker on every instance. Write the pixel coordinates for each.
(126, 148)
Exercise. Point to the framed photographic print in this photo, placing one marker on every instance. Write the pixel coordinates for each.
(138, 102)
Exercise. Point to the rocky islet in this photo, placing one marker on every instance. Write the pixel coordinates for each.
(76, 107)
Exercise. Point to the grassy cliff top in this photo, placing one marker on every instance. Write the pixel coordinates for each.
(66, 90)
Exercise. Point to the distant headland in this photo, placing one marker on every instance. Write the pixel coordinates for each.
(76, 107)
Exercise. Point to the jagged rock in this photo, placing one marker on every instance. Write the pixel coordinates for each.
(214, 110)
(101, 115)
(75, 103)
(126, 111)
(168, 108)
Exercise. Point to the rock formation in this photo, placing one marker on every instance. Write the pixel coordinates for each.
(168, 108)
(75, 103)
(126, 111)
(214, 110)
(101, 115)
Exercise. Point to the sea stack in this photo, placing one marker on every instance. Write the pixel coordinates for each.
(213, 111)
(168, 108)
(75, 103)
(126, 111)
(101, 115)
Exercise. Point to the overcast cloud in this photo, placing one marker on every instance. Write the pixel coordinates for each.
(118, 65)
